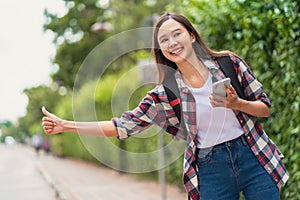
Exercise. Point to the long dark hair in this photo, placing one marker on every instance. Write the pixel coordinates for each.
(200, 47)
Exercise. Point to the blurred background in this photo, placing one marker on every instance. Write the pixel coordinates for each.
(44, 43)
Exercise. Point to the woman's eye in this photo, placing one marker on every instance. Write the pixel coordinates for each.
(176, 34)
(163, 40)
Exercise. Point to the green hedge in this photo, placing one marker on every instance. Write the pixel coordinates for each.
(267, 35)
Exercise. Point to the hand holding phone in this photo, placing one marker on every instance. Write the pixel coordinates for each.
(218, 87)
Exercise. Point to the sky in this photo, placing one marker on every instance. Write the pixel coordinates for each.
(25, 52)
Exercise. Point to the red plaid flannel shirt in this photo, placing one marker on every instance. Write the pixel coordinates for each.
(155, 109)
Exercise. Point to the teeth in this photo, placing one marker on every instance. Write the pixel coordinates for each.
(177, 51)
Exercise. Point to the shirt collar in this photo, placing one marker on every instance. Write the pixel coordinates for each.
(210, 64)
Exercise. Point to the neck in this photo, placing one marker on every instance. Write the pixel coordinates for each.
(194, 74)
(190, 68)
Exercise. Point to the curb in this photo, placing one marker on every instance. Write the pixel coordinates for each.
(60, 193)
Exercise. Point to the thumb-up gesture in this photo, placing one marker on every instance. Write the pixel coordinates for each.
(51, 123)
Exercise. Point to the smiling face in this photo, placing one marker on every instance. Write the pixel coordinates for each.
(175, 41)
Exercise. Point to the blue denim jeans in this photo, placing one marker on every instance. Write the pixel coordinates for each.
(230, 168)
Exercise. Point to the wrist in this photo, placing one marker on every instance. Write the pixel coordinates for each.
(63, 123)
(240, 103)
(68, 126)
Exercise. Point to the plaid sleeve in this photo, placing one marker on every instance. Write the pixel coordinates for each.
(154, 109)
(138, 119)
(253, 89)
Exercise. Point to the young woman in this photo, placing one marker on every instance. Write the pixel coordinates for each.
(231, 150)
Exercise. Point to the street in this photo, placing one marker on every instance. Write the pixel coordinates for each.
(19, 178)
(24, 175)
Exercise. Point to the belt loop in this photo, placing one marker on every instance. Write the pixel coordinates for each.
(244, 140)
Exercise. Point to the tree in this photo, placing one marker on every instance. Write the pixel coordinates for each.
(75, 39)
(39, 96)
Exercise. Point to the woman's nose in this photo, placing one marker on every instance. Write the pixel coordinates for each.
(172, 42)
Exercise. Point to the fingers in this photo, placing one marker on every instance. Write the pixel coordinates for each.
(46, 112)
(48, 130)
(217, 101)
(50, 116)
(212, 102)
(227, 90)
(48, 121)
(51, 123)
(230, 91)
(228, 102)
(48, 124)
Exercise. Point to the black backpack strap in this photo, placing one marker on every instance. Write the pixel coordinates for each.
(227, 67)
(172, 91)
(171, 88)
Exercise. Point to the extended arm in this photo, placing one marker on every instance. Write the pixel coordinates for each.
(53, 124)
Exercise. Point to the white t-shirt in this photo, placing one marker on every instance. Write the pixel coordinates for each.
(214, 125)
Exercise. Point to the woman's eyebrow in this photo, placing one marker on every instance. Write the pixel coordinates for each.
(177, 29)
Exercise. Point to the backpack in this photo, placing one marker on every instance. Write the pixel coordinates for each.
(172, 91)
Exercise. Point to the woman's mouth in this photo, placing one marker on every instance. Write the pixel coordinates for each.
(176, 51)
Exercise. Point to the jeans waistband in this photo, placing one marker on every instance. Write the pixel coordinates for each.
(239, 140)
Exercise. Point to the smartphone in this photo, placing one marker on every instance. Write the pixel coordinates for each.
(218, 87)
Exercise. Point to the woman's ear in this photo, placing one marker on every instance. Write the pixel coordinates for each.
(193, 37)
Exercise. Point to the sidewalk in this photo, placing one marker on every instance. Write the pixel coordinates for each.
(78, 180)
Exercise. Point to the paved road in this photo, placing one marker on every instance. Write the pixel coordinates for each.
(72, 179)
(19, 177)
